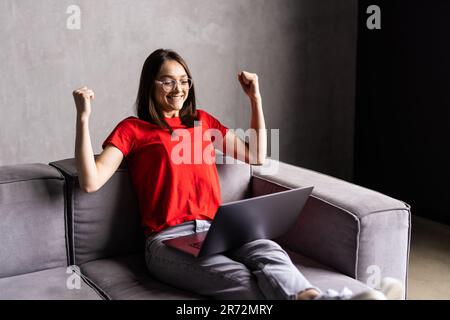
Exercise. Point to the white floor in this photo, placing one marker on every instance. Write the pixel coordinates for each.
(429, 262)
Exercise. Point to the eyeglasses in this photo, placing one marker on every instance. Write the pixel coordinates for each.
(169, 85)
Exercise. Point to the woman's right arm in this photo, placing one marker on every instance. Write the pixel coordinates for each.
(92, 173)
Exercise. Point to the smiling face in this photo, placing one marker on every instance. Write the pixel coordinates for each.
(170, 102)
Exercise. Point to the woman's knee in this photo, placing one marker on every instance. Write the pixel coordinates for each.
(263, 245)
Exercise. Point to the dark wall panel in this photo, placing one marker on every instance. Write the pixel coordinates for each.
(402, 117)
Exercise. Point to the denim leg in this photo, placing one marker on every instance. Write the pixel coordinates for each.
(277, 276)
(216, 276)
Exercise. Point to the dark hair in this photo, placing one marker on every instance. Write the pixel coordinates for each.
(146, 107)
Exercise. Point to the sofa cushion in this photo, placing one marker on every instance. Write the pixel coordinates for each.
(325, 277)
(48, 284)
(126, 277)
(32, 225)
(235, 178)
(104, 223)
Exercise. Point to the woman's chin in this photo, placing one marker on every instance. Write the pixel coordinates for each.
(176, 106)
(173, 107)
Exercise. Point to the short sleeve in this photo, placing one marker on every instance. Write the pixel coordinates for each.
(122, 137)
(212, 122)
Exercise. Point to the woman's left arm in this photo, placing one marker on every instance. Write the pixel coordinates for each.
(254, 151)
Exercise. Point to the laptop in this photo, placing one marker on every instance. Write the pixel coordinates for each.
(239, 222)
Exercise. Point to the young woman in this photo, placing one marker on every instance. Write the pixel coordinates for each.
(180, 198)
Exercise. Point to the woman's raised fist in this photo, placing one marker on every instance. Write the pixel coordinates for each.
(82, 97)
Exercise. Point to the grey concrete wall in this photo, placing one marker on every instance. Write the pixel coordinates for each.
(303, 51)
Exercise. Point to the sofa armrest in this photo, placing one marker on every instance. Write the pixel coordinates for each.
(359, 232)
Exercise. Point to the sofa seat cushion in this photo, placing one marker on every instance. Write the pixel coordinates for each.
(324, 277)
(127, 278)
(50, 284)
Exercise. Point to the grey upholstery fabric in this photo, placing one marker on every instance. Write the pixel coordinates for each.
(357, 231)
(45, 285)
(26, 172)
(33, 250)
(325, 277)
(235, 179)
(126, 277)
(32, 228)
(105, 223)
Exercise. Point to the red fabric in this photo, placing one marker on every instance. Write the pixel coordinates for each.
(170, 193)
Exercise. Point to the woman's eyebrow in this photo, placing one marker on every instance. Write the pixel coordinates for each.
(172, 76)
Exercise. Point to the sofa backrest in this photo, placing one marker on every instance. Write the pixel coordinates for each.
(32, 224)
(235, 178)
(103, 223)
(106, 223)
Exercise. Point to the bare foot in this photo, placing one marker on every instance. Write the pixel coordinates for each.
(307, 294)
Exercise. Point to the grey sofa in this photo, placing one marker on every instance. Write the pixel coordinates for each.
(346, 236)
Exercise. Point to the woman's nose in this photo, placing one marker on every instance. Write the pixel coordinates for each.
(177, 87)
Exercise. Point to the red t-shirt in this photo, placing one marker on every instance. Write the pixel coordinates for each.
(171, 191)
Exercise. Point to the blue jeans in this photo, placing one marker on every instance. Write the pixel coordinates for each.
(260, 269)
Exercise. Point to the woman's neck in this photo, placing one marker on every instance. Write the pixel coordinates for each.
(171, 114)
